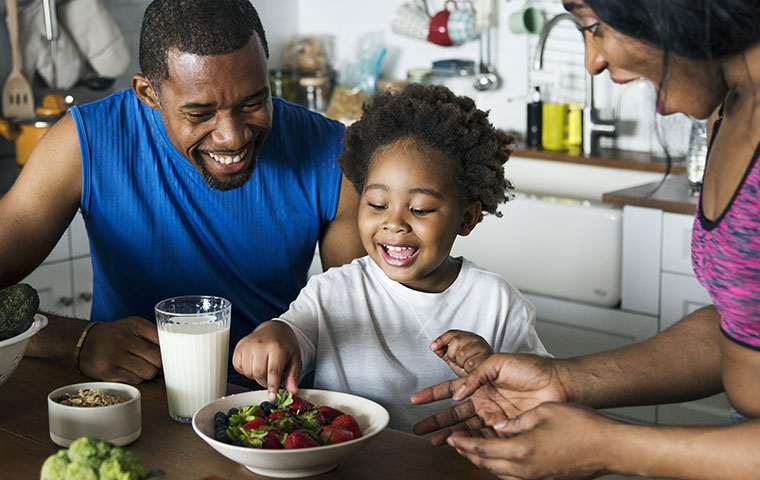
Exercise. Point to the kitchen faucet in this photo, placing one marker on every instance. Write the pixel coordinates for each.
(593, 127)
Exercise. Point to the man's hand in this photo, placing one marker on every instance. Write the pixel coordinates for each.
(502, 387)
(462, 351)
(267, 353)
(124, 350)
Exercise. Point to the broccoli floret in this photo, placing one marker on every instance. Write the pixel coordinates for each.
(92, 459)
(122, 467)
(78, 471)
(89, 452)
(54, 467)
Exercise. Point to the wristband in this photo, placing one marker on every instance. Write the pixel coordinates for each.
(80, 342)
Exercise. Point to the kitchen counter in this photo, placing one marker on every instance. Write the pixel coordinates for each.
(673, 196)
(613, 158)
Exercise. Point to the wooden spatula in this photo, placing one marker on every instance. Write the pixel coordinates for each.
(18, 99)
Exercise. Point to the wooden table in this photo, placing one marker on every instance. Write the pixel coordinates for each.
(176, 449)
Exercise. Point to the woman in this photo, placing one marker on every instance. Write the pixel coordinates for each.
(704, 58)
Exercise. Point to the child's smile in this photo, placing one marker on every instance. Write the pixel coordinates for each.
(410, 214)
(397, 255)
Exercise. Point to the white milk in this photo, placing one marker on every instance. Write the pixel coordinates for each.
(194, 359)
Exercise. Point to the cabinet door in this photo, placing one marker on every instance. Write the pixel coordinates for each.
(80, 243)
(676, 243)
(82, 287)
(53, 284)
(681, 295)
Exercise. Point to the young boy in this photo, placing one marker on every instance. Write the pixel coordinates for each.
(427, 164)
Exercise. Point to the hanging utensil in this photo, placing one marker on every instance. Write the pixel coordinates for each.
(484, 79)
(18, 99)
(51, 32)
(490, 66)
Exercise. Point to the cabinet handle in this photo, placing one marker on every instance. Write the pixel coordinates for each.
(66, 301)
(85, 296)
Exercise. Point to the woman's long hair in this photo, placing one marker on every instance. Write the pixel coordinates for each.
(696, 29)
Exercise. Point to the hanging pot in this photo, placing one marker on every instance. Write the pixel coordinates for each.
(25, 133)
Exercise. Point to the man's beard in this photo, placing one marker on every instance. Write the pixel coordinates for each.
(237, 181)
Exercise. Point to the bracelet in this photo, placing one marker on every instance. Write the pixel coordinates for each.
(80, 342)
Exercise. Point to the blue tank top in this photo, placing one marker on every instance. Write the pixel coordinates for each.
(157, 230)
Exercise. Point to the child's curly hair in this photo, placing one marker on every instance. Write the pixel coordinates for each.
(436, 117)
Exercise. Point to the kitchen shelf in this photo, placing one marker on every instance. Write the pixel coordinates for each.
(613, 158)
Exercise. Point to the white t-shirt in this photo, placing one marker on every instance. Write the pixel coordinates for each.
(363, 333)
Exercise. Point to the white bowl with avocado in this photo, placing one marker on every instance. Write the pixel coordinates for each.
(12, 349)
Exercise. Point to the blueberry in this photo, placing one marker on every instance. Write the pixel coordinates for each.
(232, 411)
(220, 415)
(267, 406)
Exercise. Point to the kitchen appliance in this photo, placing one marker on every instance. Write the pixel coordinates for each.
(18, 99)
(25, 132)
(558, 247)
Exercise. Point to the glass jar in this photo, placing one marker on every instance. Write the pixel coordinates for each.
(313, 93)
(282, 83)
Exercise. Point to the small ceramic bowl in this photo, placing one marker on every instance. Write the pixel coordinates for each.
(119, 424)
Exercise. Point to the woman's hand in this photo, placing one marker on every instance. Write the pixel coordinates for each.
(462, 351)
(554, 440)
(502, 387)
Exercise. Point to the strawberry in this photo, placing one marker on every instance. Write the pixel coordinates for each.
(299, 405)
(298, 439)
(271, 441)
(259, 412)
(278, 415)
(335, 434)
(256, 423)
(330, 413)
(349, 422)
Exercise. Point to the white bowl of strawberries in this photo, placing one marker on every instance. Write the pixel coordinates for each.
(296, 436)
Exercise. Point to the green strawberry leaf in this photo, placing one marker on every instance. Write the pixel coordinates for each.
(284, 399)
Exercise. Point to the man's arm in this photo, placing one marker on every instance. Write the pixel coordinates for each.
(41, 203)
(339, 242)
(34, 214)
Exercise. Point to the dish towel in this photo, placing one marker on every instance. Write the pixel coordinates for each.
(87, 34)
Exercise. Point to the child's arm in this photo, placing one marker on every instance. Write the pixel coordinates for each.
(462, 351)
(267, 353)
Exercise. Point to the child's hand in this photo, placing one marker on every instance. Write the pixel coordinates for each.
(462, 351)
(268, 352)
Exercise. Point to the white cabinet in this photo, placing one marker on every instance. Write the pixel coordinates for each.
(658, 279)
(81, 286)
(64, 280)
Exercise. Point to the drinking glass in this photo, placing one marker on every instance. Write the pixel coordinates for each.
(194, 337)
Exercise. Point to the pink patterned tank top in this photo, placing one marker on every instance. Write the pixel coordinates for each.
(725, 254)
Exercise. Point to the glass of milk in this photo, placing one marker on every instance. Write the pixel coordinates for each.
(194, 337)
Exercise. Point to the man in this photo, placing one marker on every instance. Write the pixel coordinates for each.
(194, 181)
